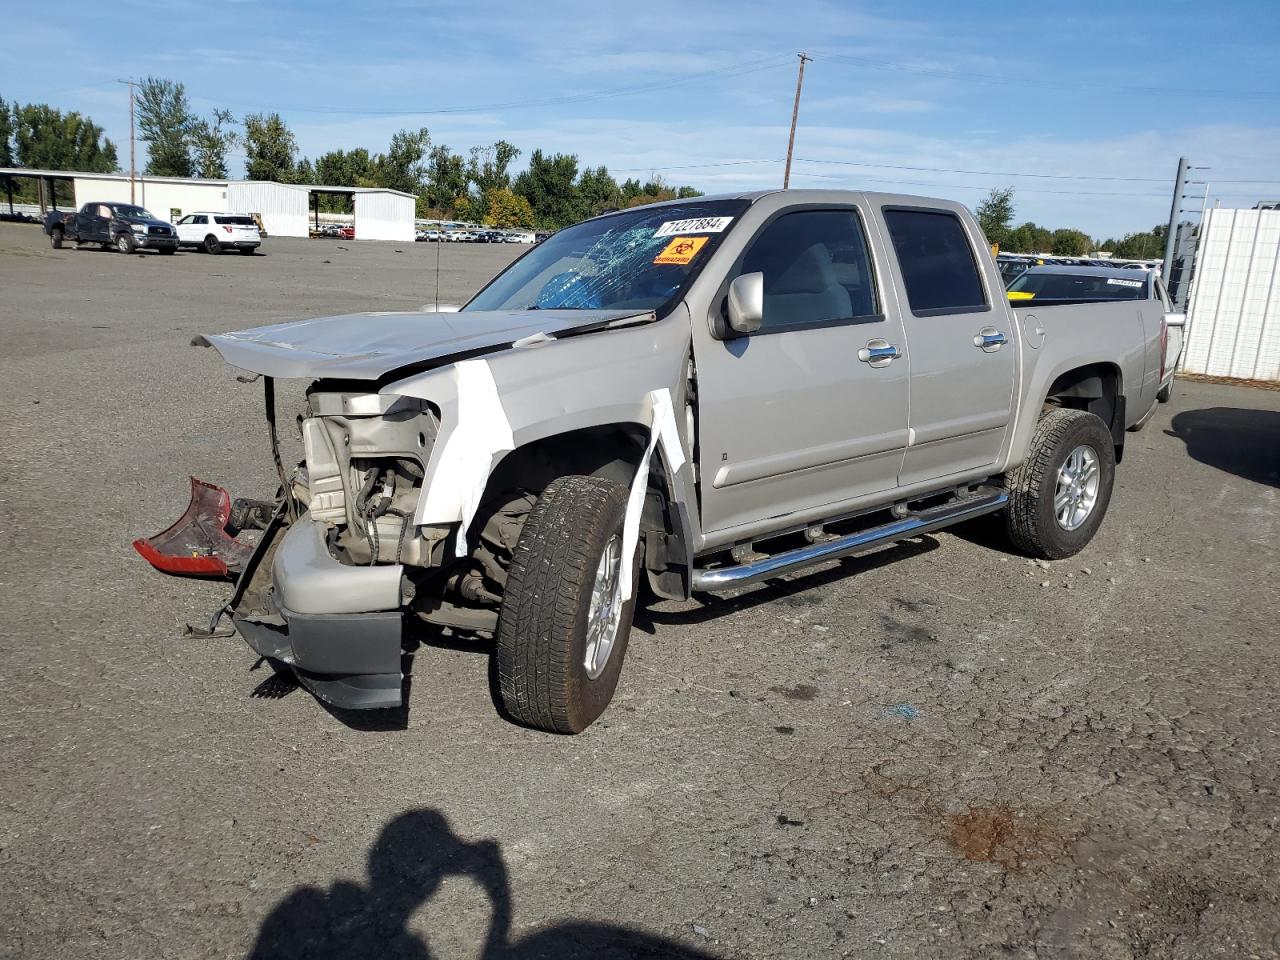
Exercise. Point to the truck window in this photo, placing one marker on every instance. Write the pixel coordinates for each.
(816, 270)
(938, 268)
(104, 211)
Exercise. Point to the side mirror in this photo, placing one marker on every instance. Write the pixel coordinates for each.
(746, 303)
(1175, 319)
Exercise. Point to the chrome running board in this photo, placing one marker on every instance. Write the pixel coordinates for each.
(912, 525)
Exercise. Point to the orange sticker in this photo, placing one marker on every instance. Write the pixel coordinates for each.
(681, 250)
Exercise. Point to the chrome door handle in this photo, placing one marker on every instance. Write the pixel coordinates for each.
(879, 353)
(989, 340)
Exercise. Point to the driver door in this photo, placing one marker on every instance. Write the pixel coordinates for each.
(792, 422)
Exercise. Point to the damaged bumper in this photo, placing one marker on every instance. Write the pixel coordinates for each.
(338, 627)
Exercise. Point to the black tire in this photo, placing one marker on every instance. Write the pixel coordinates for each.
(124, 242)
(211, 245)
(543, 626)
(1031, 518)
(55, 239)
(1166, 393)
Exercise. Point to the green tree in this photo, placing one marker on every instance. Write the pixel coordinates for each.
(210, 141)
(488, 168)
(597, 192)
(1029, 238)
(49, 139)
(167, 126)
(504, 209)
(1148, 245)
(549, 186)
(1070, 243)
(446, 179)
(6, 134)
(995, 215)
(270, 148)
(403, 167)
(688, 193)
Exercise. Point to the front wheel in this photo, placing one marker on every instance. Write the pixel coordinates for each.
(124, 243)
(566, 615)
(55, 239)
(211, 245)
(1060, 493)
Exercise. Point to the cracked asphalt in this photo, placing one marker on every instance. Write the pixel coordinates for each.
(940, 750)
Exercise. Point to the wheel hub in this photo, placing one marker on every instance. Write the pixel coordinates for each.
(1076, 492)
(605, 611)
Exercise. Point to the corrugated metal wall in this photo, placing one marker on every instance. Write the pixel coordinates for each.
(384, 216)
(283, 208)
(1233, 318)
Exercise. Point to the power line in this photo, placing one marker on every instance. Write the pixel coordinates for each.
(985, 173)
(1023, 82)
(734, 70)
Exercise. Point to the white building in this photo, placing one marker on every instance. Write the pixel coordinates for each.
(1233, 315)
(286, 209)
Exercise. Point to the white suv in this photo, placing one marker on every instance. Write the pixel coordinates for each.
(215, 232)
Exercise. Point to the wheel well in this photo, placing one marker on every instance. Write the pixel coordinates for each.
(610, 450)
(1096, 388)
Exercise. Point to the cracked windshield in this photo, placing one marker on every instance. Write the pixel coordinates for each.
(632, 260)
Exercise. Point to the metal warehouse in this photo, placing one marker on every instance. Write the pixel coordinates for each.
(1233, 318)
(285, 208)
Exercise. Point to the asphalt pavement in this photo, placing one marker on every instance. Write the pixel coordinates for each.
(940, 750)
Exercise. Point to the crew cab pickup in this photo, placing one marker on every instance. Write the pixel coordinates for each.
(124, 226)
(703, 394)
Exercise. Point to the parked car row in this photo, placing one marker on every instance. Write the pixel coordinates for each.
(129, 228)
(335, 231)
(474, 236)
(1013, 265)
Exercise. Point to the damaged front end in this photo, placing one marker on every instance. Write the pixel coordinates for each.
(386, 516)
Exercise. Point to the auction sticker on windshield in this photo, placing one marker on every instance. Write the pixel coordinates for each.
(1124, 283)
(681, 250)
(694, 225)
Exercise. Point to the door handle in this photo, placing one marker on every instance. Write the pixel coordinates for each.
(989, 340)
(879, 353)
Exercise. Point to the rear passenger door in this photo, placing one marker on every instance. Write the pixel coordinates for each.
(961, 343)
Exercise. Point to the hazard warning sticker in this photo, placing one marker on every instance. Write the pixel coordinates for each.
(681, 250)
(693, 225)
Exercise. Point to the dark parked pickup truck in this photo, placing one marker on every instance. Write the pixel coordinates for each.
(125, 226)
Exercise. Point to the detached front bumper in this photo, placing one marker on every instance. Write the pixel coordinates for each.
(338, 627)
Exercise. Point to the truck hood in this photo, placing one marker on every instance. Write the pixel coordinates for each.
(368, 346)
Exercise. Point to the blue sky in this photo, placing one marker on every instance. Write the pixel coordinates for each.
(1069, 90)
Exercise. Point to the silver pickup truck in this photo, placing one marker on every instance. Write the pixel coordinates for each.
(700, 394)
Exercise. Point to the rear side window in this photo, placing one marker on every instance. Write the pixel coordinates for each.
(816, 270)
(237, 221)
(938, 268)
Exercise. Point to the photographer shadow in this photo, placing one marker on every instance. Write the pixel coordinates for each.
(412, 856)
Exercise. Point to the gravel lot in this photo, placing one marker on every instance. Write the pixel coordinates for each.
(954, 754)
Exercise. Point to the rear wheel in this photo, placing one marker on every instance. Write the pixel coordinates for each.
(1166, 393)
(211, 245)
(566, 615)
(124, 243)
(55, 239)
(1059, 495)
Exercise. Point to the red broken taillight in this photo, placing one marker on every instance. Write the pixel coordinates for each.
(226, 228)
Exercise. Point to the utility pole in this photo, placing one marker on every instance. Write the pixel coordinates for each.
(1174, 212)
(795, 115)
(133, 146)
